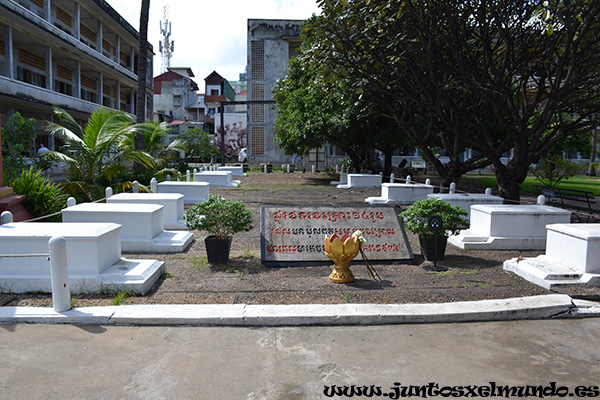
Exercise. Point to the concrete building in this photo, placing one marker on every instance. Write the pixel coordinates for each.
(175, 96)
(271, 43)
(79, 55)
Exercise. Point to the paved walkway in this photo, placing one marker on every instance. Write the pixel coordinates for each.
(164, 362)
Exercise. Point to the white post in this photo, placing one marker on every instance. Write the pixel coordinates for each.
(136, 187)
(108, 192)
(6, 217)
(488, 191)
(541, 200)
(392, 177)
(408, 178)
(452, 188)
(59, 274)
(337, 169)
(71, 201)
(265, 169)
(313, 169)
(188, 175)
(288, 168)
(428, 181)
(154, 185)
(168, 177)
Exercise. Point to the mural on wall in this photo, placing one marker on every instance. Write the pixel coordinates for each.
(235, 134)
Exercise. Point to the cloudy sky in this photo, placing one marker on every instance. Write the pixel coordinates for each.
(210, 36)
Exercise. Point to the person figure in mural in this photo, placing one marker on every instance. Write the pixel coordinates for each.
(229, 154)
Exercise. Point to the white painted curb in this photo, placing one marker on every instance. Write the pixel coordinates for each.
(535, 307)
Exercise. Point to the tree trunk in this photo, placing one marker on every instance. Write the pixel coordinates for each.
(140, 106)
(592, 167)
(387, 164)
(508, 184)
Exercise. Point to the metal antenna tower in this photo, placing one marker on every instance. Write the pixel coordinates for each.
(166, 45)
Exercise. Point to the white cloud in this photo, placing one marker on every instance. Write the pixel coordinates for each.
(210, 37)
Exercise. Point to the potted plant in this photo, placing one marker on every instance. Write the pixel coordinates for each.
(220, 218)
(416, 219)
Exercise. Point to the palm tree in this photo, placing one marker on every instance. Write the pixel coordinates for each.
(94, 153)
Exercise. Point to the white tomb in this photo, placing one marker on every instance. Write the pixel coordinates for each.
(466, 200)
(172, 203)
(236, 170)
(193, 192)
(343, 179)
(216, 178)
(401, 193)
(142, 225)
(93, 258)
(572, 258)
(361, 181)
(509, 227)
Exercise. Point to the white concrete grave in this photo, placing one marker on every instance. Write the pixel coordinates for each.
(236, 170)
(142, 225)
(401, 193)
(217, 178)
(343, 180)
(572, 258)
(361, 181)
(93, 258)
(466, 200)
(509, 227)
(172, 203)
(193, 192)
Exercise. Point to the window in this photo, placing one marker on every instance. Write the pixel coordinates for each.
(257, 60)
(257, 140)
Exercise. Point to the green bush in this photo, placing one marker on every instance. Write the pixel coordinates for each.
(416, 217)
(219, 217)
(43, 197)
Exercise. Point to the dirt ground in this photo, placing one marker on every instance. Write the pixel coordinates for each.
(189, 279)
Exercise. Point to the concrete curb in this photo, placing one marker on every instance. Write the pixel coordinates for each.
(522, 308)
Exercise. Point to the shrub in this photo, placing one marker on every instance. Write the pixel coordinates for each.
(219, 217)
(416, 217)
(43, 197)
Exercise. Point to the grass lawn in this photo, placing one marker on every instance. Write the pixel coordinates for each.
(578, 182)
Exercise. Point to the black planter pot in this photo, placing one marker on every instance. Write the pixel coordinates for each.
(217, 250)
(432, 250)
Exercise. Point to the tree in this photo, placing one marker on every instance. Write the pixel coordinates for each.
(313, 112)
(491, 75)
(18, 143)
(96, 153)
(200, 144)
(141, 98)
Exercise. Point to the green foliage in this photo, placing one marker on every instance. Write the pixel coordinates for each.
(416, 217)
(200, 144)
(18, 142)
(43, 197)
(219, 217)
(553, 168)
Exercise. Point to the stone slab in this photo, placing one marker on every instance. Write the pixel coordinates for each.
(466, 200)
(173, 204)
(217, 178)
(575, 245)
(193, 192)
(297, 233)
(401, 193)
(361, 181)
(236, 170)
(549, 273)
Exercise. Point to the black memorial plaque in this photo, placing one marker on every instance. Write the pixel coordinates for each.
(292, 234)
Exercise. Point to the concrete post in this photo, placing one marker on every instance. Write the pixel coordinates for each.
(392, 177)
(288, 168)
(265, 169)
(168, 178)
(6, 217)
(188, 175)
(154, 185)
(408, 178)
(313, 169)
(59, 274)
(337, 169)
(108, 192)
(452, 188)
(136, 187)
(488, 191)
(71, 201)
(541, 200)
(428, 181)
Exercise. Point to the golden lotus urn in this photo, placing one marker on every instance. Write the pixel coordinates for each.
(341, 251)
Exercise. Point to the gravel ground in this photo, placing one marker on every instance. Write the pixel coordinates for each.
(189, 279)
